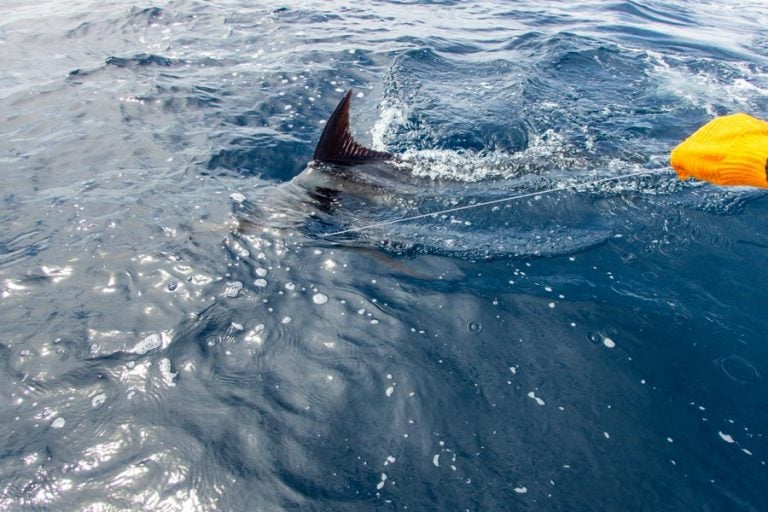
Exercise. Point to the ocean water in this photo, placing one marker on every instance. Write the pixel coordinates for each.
(181, 329)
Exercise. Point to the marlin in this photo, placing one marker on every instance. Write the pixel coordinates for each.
(341, 171)
(347, 184)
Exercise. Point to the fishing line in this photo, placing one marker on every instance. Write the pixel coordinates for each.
(492, 202)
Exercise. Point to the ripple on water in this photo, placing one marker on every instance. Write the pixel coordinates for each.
(738, 369)
(15, 249)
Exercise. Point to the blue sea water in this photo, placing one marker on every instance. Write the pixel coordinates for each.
(179, 330)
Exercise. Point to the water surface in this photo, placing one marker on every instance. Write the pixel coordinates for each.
(166, 345)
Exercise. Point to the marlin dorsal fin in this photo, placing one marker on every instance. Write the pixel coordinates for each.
(337, 145)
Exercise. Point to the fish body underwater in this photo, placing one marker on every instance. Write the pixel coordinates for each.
(359, 196)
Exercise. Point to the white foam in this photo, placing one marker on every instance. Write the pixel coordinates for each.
(98, 400)
(232, 289)
(538, 400)
(148, 344)
(707, 89)
(254, 335)
(544, 152)
(165, 372)
(391, 114)
(726, 437)
(380, 485)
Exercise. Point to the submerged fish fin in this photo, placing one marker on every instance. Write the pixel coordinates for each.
(337, 144)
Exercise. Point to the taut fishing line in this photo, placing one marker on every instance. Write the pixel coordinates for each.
(492, 202)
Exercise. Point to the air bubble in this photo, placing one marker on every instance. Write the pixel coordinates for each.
(475, 327)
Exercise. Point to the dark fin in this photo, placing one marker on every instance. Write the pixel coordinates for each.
(336, 143)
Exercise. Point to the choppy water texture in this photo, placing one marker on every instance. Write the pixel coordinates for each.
(179, 332)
